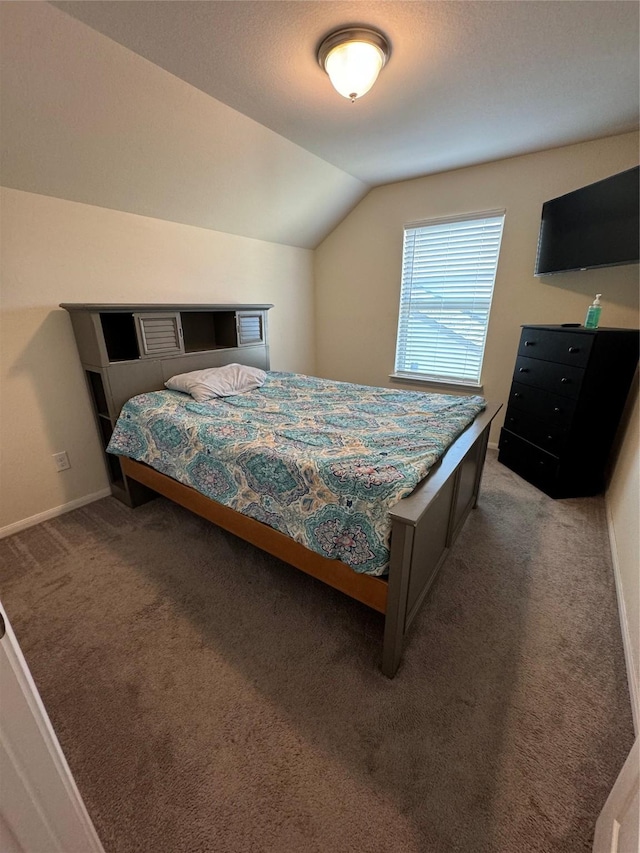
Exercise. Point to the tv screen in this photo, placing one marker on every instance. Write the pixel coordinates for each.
(596, 226)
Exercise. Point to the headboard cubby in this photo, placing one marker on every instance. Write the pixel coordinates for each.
(131, 349)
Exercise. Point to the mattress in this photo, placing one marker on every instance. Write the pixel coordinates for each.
(320, 461)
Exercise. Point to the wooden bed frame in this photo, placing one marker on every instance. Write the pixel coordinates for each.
(119, 362)
(424, 526)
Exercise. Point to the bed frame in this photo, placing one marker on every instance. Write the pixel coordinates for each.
(127, 350)
(424, 526)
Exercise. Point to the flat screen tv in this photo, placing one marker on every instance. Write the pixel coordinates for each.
(596, 226)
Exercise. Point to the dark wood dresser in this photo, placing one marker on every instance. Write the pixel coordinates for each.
(568, 392)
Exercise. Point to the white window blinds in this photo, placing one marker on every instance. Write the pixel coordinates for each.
(448, 273)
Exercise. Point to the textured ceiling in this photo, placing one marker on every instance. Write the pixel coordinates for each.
(216, 114)
(467, 82)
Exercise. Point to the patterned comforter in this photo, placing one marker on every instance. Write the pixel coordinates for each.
(320, 461)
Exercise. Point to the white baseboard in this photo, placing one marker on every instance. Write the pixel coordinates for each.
(627, 644)
(493, 445)
(17, 526)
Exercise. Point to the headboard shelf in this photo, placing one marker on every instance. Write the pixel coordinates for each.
(161, 306)
(129, 349)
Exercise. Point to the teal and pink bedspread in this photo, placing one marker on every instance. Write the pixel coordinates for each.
(318, 460)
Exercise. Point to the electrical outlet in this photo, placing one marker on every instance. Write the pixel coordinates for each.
(61, 461)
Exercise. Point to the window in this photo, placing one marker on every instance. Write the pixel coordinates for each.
(448, 272)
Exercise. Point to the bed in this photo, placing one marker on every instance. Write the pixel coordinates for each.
(364, 488)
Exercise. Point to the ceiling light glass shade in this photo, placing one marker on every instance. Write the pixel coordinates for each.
(353, 58)
(353, 68)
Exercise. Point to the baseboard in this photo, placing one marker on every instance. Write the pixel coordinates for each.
(17, 526)
(493, 445)
(627, 644)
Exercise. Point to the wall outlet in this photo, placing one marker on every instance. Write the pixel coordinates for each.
(61, 461)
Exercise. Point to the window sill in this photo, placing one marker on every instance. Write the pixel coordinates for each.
(438, 383)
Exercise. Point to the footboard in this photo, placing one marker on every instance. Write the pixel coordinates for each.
(425, 525)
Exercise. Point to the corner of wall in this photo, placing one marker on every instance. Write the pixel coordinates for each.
(622, 506)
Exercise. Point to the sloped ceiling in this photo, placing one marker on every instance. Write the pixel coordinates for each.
(468, 80)
(216, 113)
(85, 119)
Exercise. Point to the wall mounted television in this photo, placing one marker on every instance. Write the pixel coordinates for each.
(596, 226)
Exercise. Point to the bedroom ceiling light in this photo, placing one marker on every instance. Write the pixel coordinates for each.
(353, 58)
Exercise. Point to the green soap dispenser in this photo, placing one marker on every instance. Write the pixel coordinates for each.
(593, 313)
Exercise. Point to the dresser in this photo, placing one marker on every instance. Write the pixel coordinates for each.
(569, 389)
(131, 349)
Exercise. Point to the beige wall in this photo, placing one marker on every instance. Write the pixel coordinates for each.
(623, 504)
(59, 251)
(358, 265)
(358, 289)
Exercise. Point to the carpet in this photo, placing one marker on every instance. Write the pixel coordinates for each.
(210, 698)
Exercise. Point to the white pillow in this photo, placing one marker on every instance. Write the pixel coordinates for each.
(217, 381)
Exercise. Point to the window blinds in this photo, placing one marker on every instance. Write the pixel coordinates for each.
(448, 273)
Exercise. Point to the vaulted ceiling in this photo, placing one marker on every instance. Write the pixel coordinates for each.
(467, 82)
(216, 113)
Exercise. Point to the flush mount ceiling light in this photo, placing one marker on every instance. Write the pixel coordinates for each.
(353, 58)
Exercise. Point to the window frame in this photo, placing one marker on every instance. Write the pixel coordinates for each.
(433, 379)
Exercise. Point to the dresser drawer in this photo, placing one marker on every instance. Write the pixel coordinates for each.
(535, 465)
(549, 437)
(563, 379)
(563, 347)
(543, 405)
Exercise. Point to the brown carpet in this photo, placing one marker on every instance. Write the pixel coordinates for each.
(210, 698)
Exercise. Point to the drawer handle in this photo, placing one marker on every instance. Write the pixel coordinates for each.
(517, 394)
(557, 409)
(541, 462)
(529, 343)
(565, 381)
(523, 369)
(574, 349)
(512, 420)
(549, 438)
